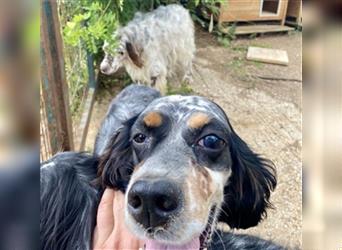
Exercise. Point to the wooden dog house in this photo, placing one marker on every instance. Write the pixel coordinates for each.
(294, 12)
(255, 10)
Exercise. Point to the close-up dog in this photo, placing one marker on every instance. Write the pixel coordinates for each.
(182, 168)
(154, 46)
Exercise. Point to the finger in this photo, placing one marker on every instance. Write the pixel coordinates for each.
(119, 216)
(105, 217)
(119, 205)
(121, 237)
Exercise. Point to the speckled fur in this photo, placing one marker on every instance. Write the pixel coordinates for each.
(164, 42)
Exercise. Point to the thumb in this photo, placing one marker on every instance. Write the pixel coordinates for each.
(105, 217)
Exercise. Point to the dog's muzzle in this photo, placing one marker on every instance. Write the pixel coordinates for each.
(153, 203)
(105, 67)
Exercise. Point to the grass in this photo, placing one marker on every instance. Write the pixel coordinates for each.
(240, 48)
(238, 67)
(259, 65)
(223, 41)
(183, 89)
(240, 61)
(261, 45)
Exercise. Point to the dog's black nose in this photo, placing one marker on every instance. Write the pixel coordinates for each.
(152, 203)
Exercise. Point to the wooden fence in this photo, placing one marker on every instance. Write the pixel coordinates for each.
(56, 131)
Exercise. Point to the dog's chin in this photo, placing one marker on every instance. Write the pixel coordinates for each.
(112, 70)
(188, 236)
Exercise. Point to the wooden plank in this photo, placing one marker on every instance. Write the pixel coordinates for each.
(250, 29)
(268, 55)
(240, 16)
(296, 24)
(53, 82)
(283, 11)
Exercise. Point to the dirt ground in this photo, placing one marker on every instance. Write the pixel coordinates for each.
(265, 113)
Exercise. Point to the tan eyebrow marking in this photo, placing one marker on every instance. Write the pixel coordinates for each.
(153, 119)
(198, 120)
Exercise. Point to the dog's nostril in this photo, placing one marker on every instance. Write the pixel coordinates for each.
(165, 203)
(135, 201)
(153, 203)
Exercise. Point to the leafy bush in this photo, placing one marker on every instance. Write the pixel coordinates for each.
(85, 25)
(93, 24)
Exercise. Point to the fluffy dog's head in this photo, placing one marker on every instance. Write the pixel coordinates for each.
(183, 167)
(126, 52)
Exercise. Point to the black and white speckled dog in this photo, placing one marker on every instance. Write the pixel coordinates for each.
(182, 168)
(154, 46)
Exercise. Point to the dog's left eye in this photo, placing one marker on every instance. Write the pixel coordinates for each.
(211, 142)
(139, 138)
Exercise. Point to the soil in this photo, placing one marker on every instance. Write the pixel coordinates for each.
(265, 113)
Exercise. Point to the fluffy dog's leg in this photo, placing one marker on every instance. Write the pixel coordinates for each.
(158, 77)
(187, 78)
(161, 84)
(153, 81)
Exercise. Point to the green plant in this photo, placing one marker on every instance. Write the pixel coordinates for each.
(237, 67)
(85, 26)
(183, 89)
(201, 10)
(224, 41)
(240, 48)
(225, 34)
(93, 24)
(130, 7)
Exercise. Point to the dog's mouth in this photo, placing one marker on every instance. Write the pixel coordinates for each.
(198, 242)
(205, 237)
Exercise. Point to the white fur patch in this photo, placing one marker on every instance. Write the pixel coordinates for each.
(47, 165)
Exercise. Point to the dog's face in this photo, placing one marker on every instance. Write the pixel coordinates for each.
(183, 162)
(124, 53)
(113, 60)
(183, 167)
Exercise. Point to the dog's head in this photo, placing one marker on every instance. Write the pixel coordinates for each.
(127, 51)
(183, 167)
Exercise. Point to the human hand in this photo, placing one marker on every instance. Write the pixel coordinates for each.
(110, 231)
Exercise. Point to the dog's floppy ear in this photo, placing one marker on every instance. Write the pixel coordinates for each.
(248, 190)
(116, 164)
(134, 54)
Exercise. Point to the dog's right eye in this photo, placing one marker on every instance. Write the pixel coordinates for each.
(211, 142)
(139, 138)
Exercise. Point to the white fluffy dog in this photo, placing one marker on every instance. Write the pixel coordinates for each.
(154, 46)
